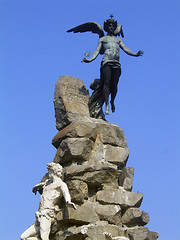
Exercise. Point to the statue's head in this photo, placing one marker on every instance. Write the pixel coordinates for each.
(56, 169)
(110, 25)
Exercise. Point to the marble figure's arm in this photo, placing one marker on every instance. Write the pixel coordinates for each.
(66, 194)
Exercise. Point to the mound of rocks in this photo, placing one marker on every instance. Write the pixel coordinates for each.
(94, 155)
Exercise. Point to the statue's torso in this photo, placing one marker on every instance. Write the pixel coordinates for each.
(51, 195)
(110, 46)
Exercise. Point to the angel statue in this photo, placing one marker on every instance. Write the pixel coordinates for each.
(110, 70)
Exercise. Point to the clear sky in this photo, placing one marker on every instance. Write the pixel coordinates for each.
(35, 50)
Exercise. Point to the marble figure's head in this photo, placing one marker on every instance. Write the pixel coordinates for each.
(56, 168)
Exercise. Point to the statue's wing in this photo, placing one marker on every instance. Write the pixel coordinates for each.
(88, 27)
(119, 31)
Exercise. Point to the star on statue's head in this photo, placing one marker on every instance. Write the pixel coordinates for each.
(111, 16)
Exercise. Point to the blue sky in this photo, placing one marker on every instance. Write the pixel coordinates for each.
(36, 50)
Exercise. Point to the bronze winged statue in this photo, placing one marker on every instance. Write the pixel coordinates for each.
(110, 71)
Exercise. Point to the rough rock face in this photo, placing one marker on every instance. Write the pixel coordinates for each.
(135, 216)
(94, 155)
(120, 197)
(70, 100)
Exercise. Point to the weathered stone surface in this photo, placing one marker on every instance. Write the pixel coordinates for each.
(126, 178)
(117, 155)
(85, 128)
(134, 217)
(108, 153)
(95, 174)
(110, 213)
(111, 134)
(93, 231)
(75, 169)
(141, 233)
(91, 128)
(78, 190)
(100, 178)
(70, 100)
(98, 151)
(84, 214)
(120, 196)
(73, 150)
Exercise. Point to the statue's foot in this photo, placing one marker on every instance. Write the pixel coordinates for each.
(107, 110)
(112, 106)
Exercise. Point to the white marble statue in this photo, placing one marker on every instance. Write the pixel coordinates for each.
(52, 190)
(109, 237)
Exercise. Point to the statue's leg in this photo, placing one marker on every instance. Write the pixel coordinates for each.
(115, 79)
(45, 227)
(106, 73)
(32, 231)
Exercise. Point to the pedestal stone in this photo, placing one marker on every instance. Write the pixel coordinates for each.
(70, 100)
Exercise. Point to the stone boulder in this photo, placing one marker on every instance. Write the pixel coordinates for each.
(78, 190)
(70, 101)
(135, 217)
(126, 178)
(73, 150)
(117, 155)
(120, 197)
(92, 128)
(141, 233)
(84, 214)
(109, 212)
(95, 174)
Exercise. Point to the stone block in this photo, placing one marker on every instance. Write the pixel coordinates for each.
(78, 190)
(100, 178)
(117, 155)
(111, 134)
(141, 233)
(84, 214)
(98, 151)
(135, 217)
(85, 128)
(73, 150)
(110, 213)
(126, 178)
(95, 174)
(92, 128)
(121, 197)
(70, 100)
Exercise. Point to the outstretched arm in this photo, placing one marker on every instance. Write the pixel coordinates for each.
(66, 194)
(129, 52)
(95, 54)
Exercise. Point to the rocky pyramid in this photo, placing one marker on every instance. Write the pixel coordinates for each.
(94, 155)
